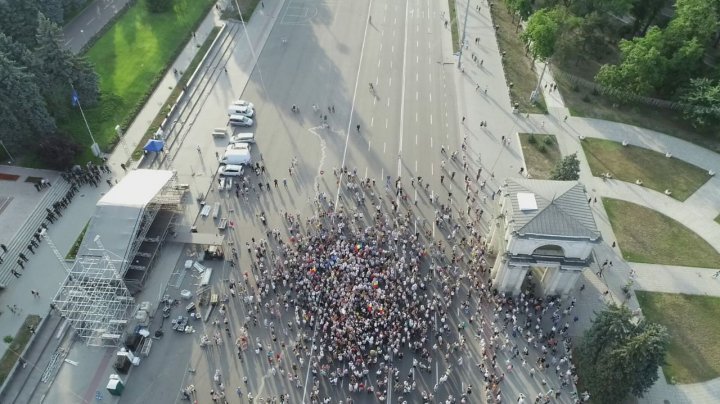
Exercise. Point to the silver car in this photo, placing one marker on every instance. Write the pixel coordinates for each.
(240, 120)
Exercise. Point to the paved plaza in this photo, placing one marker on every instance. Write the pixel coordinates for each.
(357, 263)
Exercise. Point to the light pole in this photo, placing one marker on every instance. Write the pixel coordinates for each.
(462, 42)
(12, 160)
(76, 100)
(119, 132)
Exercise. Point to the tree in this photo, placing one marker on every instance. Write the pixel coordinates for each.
(58, 152)
(52, 9)
(645, 12)
(18, 20)
(158, 6)
(60, 67)
(24, 113)
(642, 68)
(523, 8)
(618, 356)
(567, 169)
(544, 28)
(703, 97)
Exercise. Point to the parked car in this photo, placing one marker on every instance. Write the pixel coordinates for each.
(238, 157)
(231, 170)
(247, 137)
(240, 120)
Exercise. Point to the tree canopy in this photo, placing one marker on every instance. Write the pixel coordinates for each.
(618, 356)
(37, 71)
(567, 169)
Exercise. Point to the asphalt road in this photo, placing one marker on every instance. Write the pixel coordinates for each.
(326, 54)
(91, 20)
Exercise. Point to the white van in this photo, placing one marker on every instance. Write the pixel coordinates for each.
(230, 170)
(236, 157)
(234, 109)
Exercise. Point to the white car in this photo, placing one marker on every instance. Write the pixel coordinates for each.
(240, 110)
(230, 170)
(238, 146)
(240, 120)
(247, 137)
(244, 103)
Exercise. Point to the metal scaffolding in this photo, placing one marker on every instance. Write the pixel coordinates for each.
(95, 300)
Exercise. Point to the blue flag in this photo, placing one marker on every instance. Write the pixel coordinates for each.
(74, 98)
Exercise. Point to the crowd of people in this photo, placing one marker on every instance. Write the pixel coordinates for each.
(363, 288)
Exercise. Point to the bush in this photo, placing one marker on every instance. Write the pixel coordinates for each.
(586, 98)
(8, 339)
(532, 139)
(542, 149)
(548, 140)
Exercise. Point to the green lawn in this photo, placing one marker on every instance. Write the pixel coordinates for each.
(517, 65)
(717, 219)
(645, 235)
(130, 59)
(541, 154)
(630, 163)
(694, 354)
(16, 347)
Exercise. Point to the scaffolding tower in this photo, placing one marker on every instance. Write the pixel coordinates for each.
(94, 298)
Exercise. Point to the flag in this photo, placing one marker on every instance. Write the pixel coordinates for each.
(74, 98)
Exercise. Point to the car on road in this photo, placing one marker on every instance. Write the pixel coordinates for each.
(236, 157)
(238, 146)
(241, 110)
(230, 170)
(247, 137)
(240, 120)
(244, 103)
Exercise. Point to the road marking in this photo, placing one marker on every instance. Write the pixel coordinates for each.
(390, 82)
(372, 121)
(384, 147)
(381, 47)
(416, 117)
(431, 142)
(386, 123)
(430, 77)
(366, 170)
(416, 166)
(369, 144)
(417, 44)
(402, 92)
(417, 95)
(430, 97)
(90, 21)
(392, 49)
(391, 64)
(350, 121)
(388, 101)
(432, 169)
(417, 59)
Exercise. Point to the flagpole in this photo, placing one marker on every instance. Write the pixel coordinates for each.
(95, 148)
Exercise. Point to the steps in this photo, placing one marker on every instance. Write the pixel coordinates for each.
(22, 237)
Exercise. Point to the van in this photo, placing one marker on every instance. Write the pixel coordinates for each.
(234, 109)
(220, 132)
(236, 157)
(230, 170)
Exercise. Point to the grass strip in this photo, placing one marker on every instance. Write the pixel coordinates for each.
(647, 236)
(76, 245)
(17, 346)
(175, 94)
(694, 354)
(454, 26)
(519, 67)
(541, 153)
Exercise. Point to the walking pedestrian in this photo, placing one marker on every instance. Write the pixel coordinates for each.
(4, 247)
(15, 273)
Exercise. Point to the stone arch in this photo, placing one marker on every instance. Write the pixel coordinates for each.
(550, 250)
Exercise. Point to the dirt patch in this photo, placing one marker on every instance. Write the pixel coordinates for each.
(9, 177)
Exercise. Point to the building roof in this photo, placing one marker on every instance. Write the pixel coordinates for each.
(562, 209)
(118, 214)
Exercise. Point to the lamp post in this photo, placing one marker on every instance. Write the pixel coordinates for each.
(12, 160)
(94, 147)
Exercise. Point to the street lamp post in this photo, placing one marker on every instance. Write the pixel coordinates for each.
(94, 147)
(12, 160)
(536, 93)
